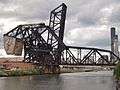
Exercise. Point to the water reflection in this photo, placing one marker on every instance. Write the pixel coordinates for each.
(68, 81)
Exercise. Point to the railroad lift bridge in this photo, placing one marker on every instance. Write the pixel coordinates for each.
(43, 45)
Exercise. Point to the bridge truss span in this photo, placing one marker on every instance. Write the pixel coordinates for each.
(88, 56)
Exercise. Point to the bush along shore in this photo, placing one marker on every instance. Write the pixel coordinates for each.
(17, 72)
(117, 72)
(117, 76)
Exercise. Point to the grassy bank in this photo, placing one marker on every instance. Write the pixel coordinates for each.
(19, 72)
(117, 71)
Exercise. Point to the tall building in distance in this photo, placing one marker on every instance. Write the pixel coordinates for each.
(114, 43)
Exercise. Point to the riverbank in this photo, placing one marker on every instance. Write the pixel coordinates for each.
(8, 73)
(15, 67)
(34, 71)
(69, 70)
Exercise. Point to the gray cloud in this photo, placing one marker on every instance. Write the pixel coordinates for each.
(1, 35)
(102, 42)
(115, 16)
(83, 15)
(88, 21)
(26, 10)
(5, 1)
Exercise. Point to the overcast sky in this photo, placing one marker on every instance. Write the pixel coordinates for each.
(88, 22)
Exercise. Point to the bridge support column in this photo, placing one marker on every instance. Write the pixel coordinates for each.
(49, 69)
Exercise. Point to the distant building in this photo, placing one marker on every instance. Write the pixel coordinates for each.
(114, 43)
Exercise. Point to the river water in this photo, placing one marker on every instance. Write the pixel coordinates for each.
(102, 80)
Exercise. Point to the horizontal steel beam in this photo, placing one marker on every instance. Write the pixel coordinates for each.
(75, 47)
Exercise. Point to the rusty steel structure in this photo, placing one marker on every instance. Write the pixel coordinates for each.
(43, 45)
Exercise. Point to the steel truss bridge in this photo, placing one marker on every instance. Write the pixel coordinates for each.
(44, 46)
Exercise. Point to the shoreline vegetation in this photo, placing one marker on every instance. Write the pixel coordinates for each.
(35, 71)
(117, 75)
(15, 67)
(117, 71)
(17, 72)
